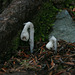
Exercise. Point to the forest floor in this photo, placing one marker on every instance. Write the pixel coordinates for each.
(43, 61)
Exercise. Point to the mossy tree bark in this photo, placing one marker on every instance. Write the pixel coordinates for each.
(12, 19)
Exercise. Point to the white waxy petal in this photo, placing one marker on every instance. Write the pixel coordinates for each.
(49, 45)
(25, 35)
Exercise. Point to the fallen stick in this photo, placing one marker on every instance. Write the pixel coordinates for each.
(67, 63)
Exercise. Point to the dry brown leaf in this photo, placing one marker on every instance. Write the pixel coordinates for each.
(41, 51)
(42, 46)
(33, 61)
(39, 66)
(59, 73)
(57, 57)
(14, 62)
(41, 57)
(23, 54)
(52, 63)
(69, 63)
(72, 44)
(73, 9)
(35, 73)
(50, 73)
(1, 73)
(3, 69)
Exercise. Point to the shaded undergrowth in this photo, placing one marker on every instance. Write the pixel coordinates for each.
(43, 21)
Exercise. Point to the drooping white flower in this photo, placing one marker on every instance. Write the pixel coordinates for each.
(52, 44)
(25, 35)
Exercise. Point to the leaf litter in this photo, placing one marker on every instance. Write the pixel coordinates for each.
(43, 60)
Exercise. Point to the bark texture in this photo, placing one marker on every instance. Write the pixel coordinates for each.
(12, 19)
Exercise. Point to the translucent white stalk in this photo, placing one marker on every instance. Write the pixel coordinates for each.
(52, 44)
(25, 35)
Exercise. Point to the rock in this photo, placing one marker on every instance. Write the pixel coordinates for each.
(64, 27)
(12, 19)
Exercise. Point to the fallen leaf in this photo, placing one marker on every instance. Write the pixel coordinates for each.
(14, 62)
(3, 69)
(51, 73)
(52, 63)
(73, 9)
(57, 57)
(69, 63)
(41, 57)
(59, 73)
(22, 53)
(39, 66)
(1, 73)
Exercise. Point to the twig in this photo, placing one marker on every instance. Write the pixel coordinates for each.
(66, 63)
(41, 57)
(69, 56)
(52, 64)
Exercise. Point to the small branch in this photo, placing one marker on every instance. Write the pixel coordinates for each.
(67, 63)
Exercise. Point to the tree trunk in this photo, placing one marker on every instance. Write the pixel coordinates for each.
(12, 19)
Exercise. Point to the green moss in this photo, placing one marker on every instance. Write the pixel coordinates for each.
(68, 4)
(44, 20)
(16, 42)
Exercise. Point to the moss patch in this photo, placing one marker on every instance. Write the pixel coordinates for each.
(16, 41)
(44, 20)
